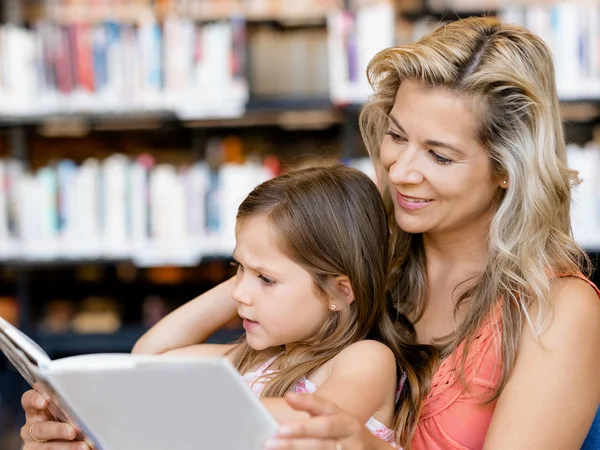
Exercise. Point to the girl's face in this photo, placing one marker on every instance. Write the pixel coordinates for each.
(276, 297)
(439, 176)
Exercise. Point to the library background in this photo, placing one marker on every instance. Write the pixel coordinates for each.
(130, 130)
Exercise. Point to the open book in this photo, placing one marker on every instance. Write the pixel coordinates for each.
(131, 402)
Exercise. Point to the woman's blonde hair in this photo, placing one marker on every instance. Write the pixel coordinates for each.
(331, 221)
(506, 74)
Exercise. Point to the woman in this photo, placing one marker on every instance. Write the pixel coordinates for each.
(466, 134)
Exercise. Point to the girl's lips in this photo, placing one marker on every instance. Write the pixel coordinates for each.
(249, 325)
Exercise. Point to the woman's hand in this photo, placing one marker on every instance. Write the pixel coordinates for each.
(41, 432)
(329, 428)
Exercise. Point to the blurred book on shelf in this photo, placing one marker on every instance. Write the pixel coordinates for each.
(572, 31)
(585, 203)
(288, 63)
(352, 43)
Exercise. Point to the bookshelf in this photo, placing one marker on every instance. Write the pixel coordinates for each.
(294, 87)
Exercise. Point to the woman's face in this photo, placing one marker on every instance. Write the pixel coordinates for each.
(439, 175)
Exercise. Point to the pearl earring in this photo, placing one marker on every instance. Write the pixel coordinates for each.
(333, 307)
(504, 182)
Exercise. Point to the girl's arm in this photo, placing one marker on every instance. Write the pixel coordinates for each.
(191, 323)
(203, 350)
(553, 392)
(366, 367)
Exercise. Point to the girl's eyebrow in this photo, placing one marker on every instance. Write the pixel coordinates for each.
(254, 267)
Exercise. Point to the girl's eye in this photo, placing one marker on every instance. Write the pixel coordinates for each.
(237, 266)
(395, 136)
(266, 281)
(440, 159)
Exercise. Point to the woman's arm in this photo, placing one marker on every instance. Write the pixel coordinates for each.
(554, 391)
(329, 427)
(191, 323)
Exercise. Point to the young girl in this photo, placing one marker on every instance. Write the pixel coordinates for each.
(311, 258)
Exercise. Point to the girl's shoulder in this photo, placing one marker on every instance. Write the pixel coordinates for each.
(367, 359)
(367, 350)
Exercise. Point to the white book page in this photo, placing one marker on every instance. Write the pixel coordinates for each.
(173, 403)
(110, 361)
(33, 351)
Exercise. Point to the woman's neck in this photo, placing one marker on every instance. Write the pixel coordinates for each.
(451, 263)
(456, 251)
(462, 248)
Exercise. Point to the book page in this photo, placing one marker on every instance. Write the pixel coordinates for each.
(30, 360)
(109, 361)
(27, 368)
(165, 403)
(32, 350)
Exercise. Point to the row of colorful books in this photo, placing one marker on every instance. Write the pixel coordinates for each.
(124, 208)
(195, 70)
(132, 208)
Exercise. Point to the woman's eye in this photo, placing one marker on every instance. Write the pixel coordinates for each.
(440, 159)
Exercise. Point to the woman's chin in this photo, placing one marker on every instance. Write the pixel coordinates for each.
(410, 225)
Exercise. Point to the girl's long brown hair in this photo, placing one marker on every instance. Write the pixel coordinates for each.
(332, 221)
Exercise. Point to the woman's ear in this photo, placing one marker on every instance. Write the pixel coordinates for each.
(342, 284)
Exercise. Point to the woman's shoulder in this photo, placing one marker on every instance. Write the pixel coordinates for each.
(576, 308)
(566, 287)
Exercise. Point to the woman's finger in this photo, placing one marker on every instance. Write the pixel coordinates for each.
(33, 402)
(55, 446)
(312, 404)
(338, 426)
(40, 416)
(48, 431)
(300, 444)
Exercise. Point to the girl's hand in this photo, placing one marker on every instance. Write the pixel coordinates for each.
(41, 432)
(329, 428)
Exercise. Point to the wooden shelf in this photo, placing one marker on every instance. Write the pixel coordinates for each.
(316, 17)
(290, 113)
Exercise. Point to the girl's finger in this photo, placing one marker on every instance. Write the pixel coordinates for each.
(55, 446)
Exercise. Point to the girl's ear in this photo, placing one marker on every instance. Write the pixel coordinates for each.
(342, 284)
